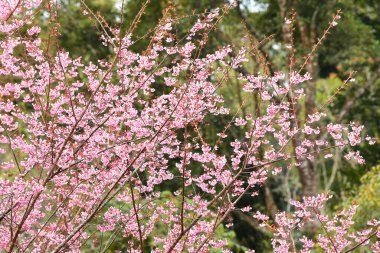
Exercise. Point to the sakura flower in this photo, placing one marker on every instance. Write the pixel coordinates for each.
(240, 122)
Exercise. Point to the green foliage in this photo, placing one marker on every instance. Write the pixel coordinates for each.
(80, 34)
(367, 197)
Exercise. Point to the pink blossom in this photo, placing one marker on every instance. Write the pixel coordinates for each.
(96, 144)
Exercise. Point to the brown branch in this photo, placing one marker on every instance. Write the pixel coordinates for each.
(360, 243)
(183, 181)
(252, 32)
(350, 101)
(324, 228)
(13, 11)
(137, 217)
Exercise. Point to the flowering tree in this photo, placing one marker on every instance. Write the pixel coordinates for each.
(88, 147)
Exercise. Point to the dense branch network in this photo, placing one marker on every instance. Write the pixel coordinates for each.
(94, 144)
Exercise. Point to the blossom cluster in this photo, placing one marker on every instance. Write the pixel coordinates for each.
(339, 235)
(89, 145)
